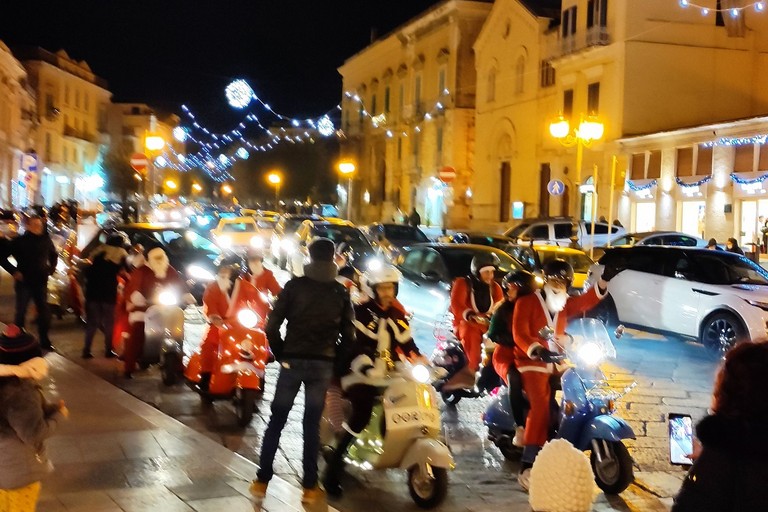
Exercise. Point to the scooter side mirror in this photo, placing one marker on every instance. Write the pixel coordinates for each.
(619, 332)
(546, 333)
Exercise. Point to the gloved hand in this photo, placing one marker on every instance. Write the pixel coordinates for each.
(137, 299)
(547, 356)
(609, 272)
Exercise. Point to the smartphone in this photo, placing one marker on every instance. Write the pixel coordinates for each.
(680, 439)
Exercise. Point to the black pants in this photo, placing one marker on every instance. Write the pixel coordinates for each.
(99, 316)
(36, 292)
(516, 401)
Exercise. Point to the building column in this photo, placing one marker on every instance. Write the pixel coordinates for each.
(666, 202)
(718, 223)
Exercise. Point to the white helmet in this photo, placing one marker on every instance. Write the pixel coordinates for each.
(385, 274)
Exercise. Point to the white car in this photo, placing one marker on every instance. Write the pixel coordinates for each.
(560, 230)
(668, 238)
(716, 297)
(239, 233)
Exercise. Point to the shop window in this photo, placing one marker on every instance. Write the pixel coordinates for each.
(654, 166)
(704, 161)
(684, 162)
(744, 158)
(637, 171)
(593, 98)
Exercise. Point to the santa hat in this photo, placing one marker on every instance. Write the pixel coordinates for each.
(17, 346)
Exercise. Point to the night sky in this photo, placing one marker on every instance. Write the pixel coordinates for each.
(169, 52)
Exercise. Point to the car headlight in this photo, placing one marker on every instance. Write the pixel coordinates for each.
(758, 304)
(176, 215)
(420, 373)
(199, 273)
(167, 298)
(188, 210)
(374, 264)
(247, 318)
(224, 241)
(257, 242)
(203, 221)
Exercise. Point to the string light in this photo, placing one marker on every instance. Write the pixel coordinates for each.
(741, 181)
(640, 188)
(734, 12)
(239, 94)
(737, 141)
(180, 134)
(693, 184)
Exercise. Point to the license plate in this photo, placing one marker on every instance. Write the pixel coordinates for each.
(401, 417)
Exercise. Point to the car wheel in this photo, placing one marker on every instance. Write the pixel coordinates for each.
(720, 332)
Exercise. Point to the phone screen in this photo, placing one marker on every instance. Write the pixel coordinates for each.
(680, 439)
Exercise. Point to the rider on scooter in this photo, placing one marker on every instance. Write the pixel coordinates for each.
(516, 284)
(549, 307)
(473, 300)
(383, 335)
(253, 288)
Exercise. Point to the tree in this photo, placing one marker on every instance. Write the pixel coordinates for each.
(120, 177)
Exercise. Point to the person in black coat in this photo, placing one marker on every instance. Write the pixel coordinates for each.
(36, 260)
(732, 245)
(731, 459)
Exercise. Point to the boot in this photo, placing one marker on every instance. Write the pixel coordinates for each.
(205, 382)
(463, 379)
(335, 468)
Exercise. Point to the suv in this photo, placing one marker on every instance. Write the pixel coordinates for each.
(559, 230)
(361, 252)
(716, 297)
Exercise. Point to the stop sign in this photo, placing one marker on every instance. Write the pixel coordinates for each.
(139, 162)
(447, 174)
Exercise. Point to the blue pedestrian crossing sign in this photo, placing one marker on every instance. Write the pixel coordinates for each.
(555, 187)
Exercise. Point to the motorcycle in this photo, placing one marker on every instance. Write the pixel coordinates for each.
(164, 336)
(404, 432)
(241, 360)
(449, 355)
(585, 417)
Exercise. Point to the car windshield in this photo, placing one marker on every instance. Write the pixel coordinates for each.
(459, 261)
(627, 240)
(182, 240)
(517, 230)
(736, 270)
(579, 261)
(405, 233)
(239, 227)
(347, 234)
(491, 241)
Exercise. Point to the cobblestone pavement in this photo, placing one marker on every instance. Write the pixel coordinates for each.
(671, 376)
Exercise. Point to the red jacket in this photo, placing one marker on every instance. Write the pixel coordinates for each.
(215, 302)
(144, 282)
(246, 294)
(266, 282)
(531, 315)
(463, 301)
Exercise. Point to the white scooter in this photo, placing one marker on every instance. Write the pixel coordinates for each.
(404, 432)
(164, 336)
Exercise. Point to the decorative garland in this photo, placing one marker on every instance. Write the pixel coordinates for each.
(737, 141)
(640, 188)
(759, 6)
(702, 181)
(741, 181)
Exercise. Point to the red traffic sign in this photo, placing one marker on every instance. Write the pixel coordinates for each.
(447, 174)
(139, 162)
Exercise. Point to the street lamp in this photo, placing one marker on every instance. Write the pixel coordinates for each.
(153, 143)
(196, 188)
(226, 188)
(589, 130)
(275, 179)
(171, 185)
(348, 169)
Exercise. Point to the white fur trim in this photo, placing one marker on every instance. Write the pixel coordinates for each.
(600, 294)
(35, 368)
(401, 335)
(466, 312)
(365, 330)
(360, 362)
(155, 250)
(135, 316)
(137, 299)
(541, 369)
(533, 347)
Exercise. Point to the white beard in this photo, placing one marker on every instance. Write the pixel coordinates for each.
(224, 283)
(555, 300)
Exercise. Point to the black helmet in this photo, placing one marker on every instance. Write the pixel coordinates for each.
(460, 238)
(118, 239)
(558, 269)
(482, 260)
(522, 279)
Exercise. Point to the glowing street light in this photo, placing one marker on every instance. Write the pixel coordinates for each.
(348, 169)
(226, 188)
(275, 179)
(196, 188)
(154, 143)
(171, 185)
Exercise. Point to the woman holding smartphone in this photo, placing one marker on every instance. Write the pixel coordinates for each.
(730, 470)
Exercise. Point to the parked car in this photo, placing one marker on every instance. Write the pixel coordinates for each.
(716, 297)
(194, 256)
(669, 238)
(284, 240)
(361, 254)
(534, 257)
(429, 270)
(240, 233)
(489, 239)
(560, 230)
(393, 237)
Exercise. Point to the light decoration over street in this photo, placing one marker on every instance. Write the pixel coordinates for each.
(180, 134)
(242, 154)
(239, 94)
(737, 141)
(325, 126)
(734, 12)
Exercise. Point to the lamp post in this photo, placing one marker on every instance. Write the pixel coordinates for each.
(589, 130)
(153, 143)
(348, 169)
(275, 179)
(196, 188)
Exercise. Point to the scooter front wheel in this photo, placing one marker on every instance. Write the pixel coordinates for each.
(245, 405)
(170, 368)
(428, 490)
(613, 470)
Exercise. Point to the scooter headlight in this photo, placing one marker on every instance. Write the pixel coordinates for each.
(167, 298)
(257, 242)
(199, 273)
(247, 318)
(374, 264)
(420, 373)
(225, 242)
(590, 354)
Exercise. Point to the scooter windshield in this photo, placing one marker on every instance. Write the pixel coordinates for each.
(589, 343)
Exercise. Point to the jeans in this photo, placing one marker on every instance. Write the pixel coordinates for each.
(99, 315)
(316, 376)
(38, 293)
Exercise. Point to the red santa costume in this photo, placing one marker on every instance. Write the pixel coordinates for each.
(532, 314)
(216, 305)
(466, 301)
(142, 287)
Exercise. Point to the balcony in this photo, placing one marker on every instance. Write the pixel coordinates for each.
(559, 46)
(77, 134)
(598, 36)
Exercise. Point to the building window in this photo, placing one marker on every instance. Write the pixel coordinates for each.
(386, 100)
(597, 13)
(491, 96)
(719, 20)
(49, 103)
(417, 93)
(547, 78)
(373, 105)
(77, 99)
(439, 140)
(66, 95)
(593, 98)
(85, 101)
(441, 82)
(568, 103)
(569, 22)
(399, 148)
(519, 74)
(48, 148)
(401, 98)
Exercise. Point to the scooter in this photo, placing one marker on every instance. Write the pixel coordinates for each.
(240, 365)
(164, 336)
(586, 417)
(404, 432)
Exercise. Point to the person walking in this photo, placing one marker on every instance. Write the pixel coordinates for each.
(732, 245)
(26, 420)
(101, 281)
(414, 219)
(319, 335)
(36, 260)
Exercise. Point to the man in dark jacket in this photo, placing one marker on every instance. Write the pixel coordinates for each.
(36, 259)
(101, 291)
(319, 334)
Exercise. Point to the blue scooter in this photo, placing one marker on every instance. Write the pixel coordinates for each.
(586, 417)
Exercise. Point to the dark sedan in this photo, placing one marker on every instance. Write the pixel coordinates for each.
(194, 256)
(429, 269)
(393, 237)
